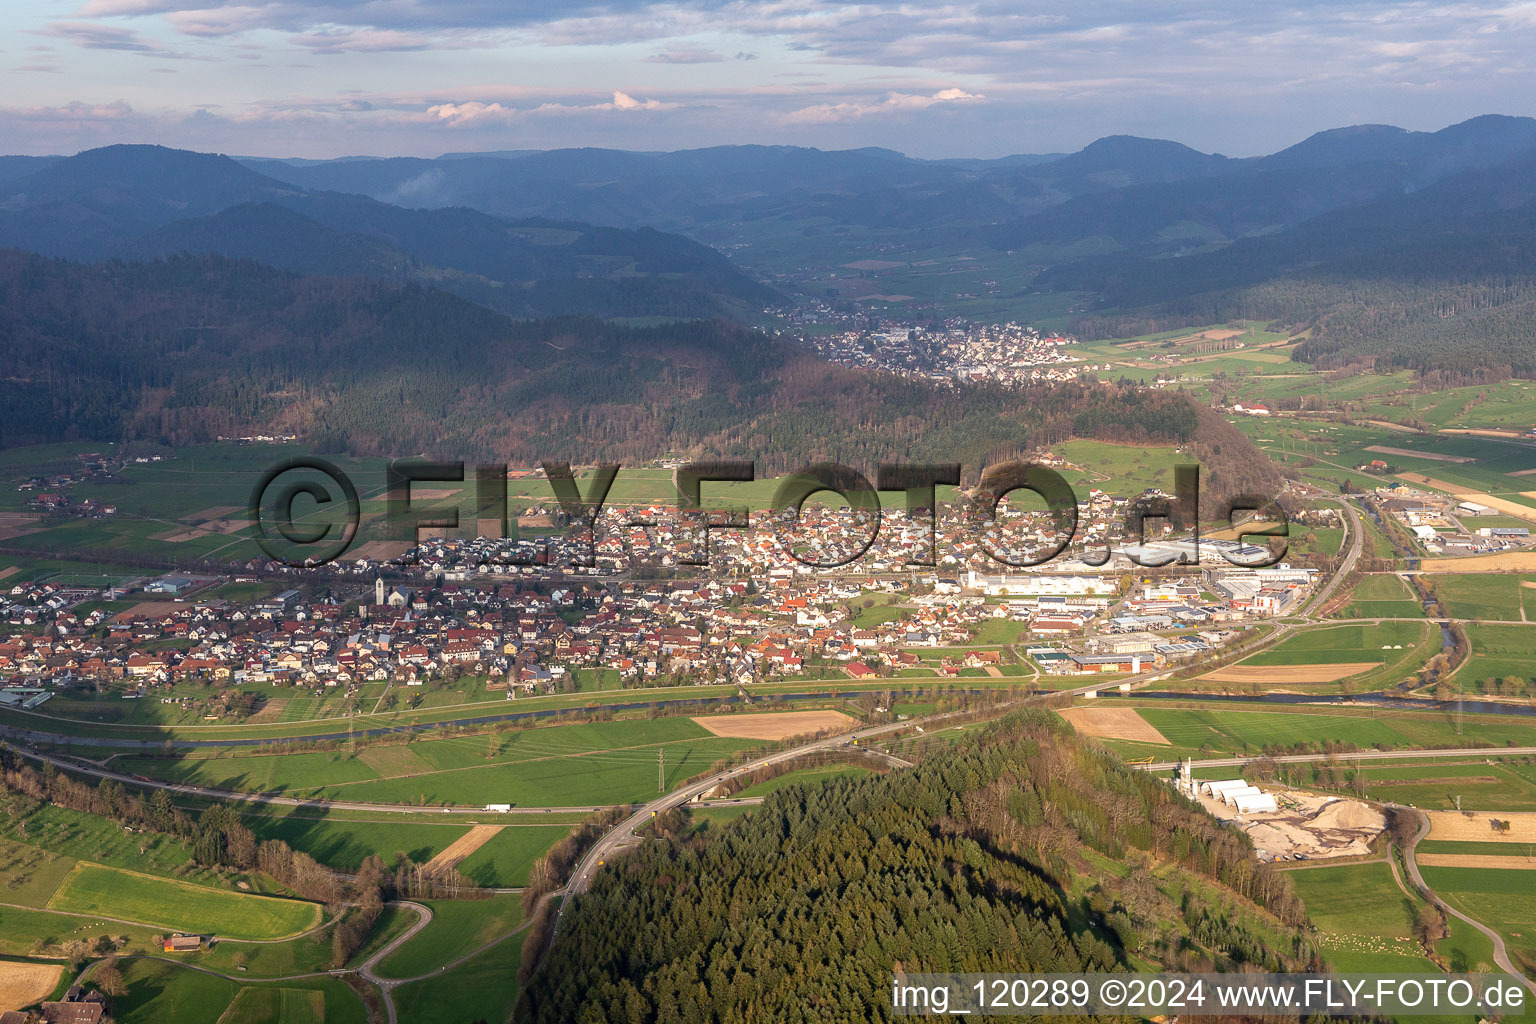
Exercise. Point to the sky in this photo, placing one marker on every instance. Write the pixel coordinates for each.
(327, 78)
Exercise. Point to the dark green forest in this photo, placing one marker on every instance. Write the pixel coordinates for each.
(1021, 850)
(187, 349)
(1435, 283)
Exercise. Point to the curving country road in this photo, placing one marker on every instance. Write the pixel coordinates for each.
(386, 985)
(1500, 953)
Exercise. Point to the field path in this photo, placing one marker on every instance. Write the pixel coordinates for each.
(1500, 954)
(146, 924)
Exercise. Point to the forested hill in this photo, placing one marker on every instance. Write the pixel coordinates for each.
(1002, 854)
(189, 348)
(1440, 281)
(146, 201)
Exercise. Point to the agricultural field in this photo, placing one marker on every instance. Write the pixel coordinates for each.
(1499, 653)
(1364, 920)
(1353, 644)
(168, 993)
(344, 844)
(1382, 595)
(484, 987)
(1504, 900)
(27, 932)
(23, 984)
(147, 899)
(606, 762)
(458, 928)
(1250, 731)
(1484, 596)
(1365, 655)
(1123, 471)
(1436, 785)
(29, 877)
(507, 857)
(275, 1006)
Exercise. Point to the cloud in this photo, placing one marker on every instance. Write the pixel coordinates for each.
(476, 112)
(103, 37)
(469, 113)
(74, 113)
(895, 102)
(365, 41)
(685, 57)
(624, 101)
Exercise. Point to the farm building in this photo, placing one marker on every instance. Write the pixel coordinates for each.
(182, 943)
(77, 1007)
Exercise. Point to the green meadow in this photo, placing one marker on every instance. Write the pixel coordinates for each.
(1243, 731)
(606, 762)
(1342, 644)
(151, 900)
(1382, 595)
(458, 928)
(169, 993)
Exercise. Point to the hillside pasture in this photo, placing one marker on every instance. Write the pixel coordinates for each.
(163, 902)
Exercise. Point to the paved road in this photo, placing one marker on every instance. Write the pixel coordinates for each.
(1500, 953)
(1356, 527)
(385, 985)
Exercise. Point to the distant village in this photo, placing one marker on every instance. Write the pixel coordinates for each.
(952, 352)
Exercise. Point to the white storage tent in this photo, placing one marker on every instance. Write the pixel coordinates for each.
(1264, 803)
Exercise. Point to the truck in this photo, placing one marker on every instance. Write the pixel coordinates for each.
(498, 808)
